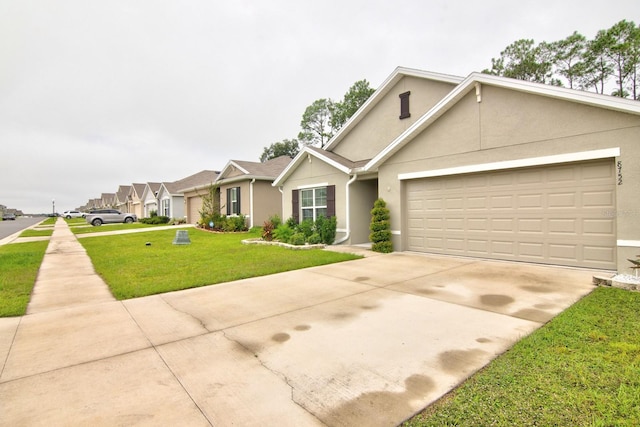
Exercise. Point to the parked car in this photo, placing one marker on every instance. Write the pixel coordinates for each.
(8, 217)
(73, 214)
(110, 216)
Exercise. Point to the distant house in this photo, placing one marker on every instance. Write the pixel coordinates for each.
(149, 198)
(108, 200)
(193, 188)
(246, 189)
(122, 198)
(482, 166)
(134, 199)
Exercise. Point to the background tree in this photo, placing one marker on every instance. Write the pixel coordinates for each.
(620, 47)
(524, 60)
(316, 123)
(286, 147)
(357, 95)
(568, 57)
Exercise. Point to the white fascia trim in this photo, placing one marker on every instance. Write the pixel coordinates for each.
(629, 243)
(520, 163)
(304, 187)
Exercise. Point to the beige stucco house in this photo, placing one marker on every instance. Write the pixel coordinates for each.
(193, 188)
(482, 166)
(245, 189)
(134, 199)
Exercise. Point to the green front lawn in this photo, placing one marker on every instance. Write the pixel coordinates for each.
(581, 369)
(132, 268)
(19, 265)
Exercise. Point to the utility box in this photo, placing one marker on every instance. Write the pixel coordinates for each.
(182, 238)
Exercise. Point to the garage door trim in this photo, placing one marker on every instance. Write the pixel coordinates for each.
(514, 164)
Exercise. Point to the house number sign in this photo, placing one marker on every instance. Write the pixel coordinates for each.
(619, 166)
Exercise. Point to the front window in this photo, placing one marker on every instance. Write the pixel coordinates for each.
(166, 209)
(233, 201)
(313, 203)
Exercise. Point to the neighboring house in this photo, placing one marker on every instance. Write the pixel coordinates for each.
(122, 197)
(134, 199)
(484, 166)
(108, 200)
(149, 199)
(193, 188)
(245, 189)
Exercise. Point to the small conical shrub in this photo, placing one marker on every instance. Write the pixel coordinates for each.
(380, 228)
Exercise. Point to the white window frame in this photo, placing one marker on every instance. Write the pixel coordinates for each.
(314, 207)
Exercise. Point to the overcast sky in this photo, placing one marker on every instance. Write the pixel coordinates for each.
(95, 94)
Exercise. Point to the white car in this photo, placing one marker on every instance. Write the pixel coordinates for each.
(73, 214)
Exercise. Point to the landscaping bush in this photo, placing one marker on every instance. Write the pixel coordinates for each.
(326, 228)
(314, 239)
(283, 233)
(297, 239)
(380, 228)
(323, 230)
(155, 219)
(306, 227)
(269, 226)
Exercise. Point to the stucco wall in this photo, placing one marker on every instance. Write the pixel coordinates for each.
(382, 125)
(509, 125)
(267, 201)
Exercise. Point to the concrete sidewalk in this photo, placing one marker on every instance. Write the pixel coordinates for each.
(366, 342)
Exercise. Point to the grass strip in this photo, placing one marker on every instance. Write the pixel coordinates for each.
(580, 369)
(109, 227)
(36, 233)
(19, 265)
(132, 268)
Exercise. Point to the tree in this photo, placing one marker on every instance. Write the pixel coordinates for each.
(525, 61)
(357, 95)
(210, 211)
(316, 123)
(287, 147)
(568, 57)
(621, 45)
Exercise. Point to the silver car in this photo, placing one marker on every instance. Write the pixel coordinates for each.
(110, 216)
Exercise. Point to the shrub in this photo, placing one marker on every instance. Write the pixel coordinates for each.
(155, 219)
(380, 228)
(326, 227)
(297, 239)
(314, 239)
(283, 233)
(291, 223)
(306, 227)
(269, 226)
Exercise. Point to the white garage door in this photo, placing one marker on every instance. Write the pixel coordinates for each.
(561, 214)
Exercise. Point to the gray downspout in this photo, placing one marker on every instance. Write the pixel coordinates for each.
(251, 203)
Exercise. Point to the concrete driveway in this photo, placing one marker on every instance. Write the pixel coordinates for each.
(366, 342)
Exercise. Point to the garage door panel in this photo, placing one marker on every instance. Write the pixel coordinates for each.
(553, 214)
(598, 227)
(598, 199)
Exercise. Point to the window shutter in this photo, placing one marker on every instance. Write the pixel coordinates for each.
(404, 105)
(295, 206)
(239, 211)
(331, 201)
(228, 201)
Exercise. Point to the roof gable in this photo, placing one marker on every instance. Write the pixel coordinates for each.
(396, 76)
(267, 171)
(344, 165)
(475, 81)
